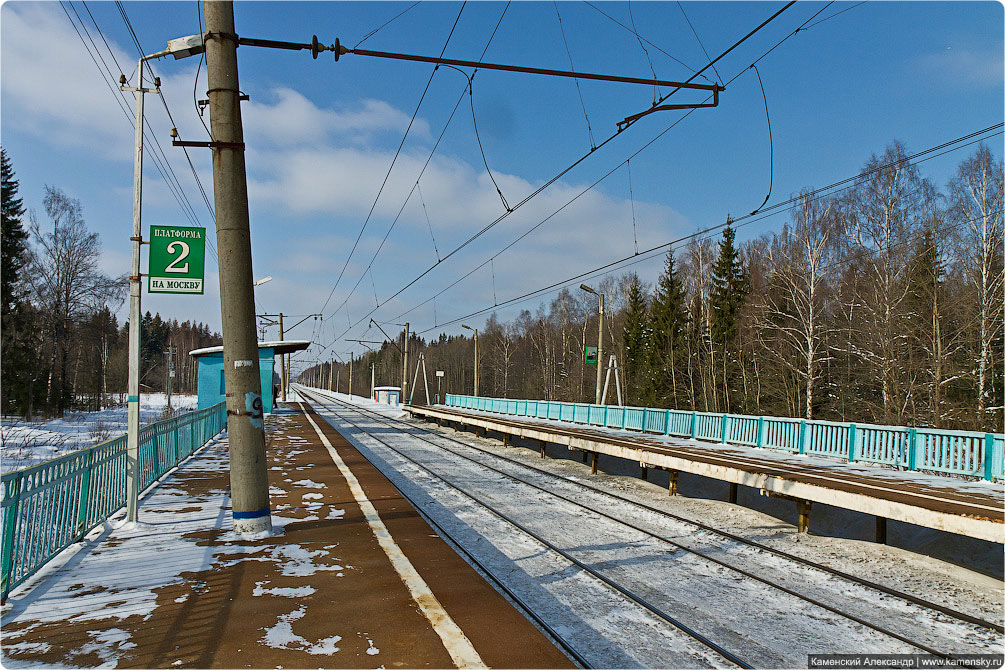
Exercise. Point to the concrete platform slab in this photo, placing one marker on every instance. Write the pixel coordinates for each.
(974, 509)
(180, 590)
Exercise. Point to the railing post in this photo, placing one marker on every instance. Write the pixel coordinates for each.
(760, 431)
(694, 423)
(605, 416)
(645, 417)
(85, 493)
(666, 427)
(624, 417)
(156, 459)
(852, 446)
(13, 494)
(725, 428)
(802, 436)
(989, 456)
(912, 449)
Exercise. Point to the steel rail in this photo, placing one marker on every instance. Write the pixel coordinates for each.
(562, 642)
(763, 547)
(637, 440)
(956, 614)
(745, 573)
(729, 656)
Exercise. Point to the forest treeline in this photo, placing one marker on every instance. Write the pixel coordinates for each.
(883, 304)
(62, 345)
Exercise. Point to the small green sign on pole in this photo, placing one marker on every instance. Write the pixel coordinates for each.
(177, 259)
(590, 356)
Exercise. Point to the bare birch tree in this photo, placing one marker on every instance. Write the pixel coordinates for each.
(976, 199)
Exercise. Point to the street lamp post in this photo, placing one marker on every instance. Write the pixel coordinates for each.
(600, 339)
(475, 330)
(135, 290)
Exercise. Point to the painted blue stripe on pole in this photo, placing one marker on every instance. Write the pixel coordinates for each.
(133, 398)
(252, 515)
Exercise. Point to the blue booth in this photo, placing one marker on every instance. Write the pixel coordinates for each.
(211, 386)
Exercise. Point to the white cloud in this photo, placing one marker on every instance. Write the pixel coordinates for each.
(293, 119)
(51, 88)
(964, 67)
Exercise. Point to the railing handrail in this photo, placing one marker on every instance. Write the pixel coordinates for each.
(49, 505)
(965, 452)
(193, 415)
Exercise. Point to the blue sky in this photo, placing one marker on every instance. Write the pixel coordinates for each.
(321, 135)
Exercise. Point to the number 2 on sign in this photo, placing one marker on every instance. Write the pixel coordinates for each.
(173, 266)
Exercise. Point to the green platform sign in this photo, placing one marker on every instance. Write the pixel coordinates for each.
(177, 259)
(590, 356)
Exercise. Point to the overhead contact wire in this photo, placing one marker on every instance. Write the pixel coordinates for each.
(393, 161)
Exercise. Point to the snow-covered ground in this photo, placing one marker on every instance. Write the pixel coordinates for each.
(769, 626)
(23, 444)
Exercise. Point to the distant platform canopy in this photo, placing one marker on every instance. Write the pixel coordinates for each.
(278, 347)
(212, 387)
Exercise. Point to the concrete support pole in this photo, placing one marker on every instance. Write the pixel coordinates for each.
(881, 530)
(672, 482)
(404, 364)
(733, 492)
(350, 374)
(803, 510)
(476, 362)
(593, 468)
(373, 378)
(284, 381)
(600, 349)
(133, 385)
(249, 484)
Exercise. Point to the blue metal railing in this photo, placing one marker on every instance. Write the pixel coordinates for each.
(51, 505)
(948, 451)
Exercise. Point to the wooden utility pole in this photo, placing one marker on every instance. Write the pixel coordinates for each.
(249, 484)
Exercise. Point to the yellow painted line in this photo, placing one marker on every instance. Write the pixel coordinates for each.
(454, 640)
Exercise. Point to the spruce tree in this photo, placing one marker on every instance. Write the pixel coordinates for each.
(15, 313)
(14, 247)
(636, 337)
(730, 286)
(669, 325)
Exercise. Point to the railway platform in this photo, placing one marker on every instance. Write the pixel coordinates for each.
(954, 505)
(352, 577)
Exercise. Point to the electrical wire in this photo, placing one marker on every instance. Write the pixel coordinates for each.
(695, 33)
(393, 161)
(579, 160)
(195, 175)
(426, 214)
(655, 46)
(650, 254)
(424, 166)
(771, 144)
(631, 196)
(744, 219)
(572, 67)
(638, 37)
(159, 161)
(387, 23)
(478, 138)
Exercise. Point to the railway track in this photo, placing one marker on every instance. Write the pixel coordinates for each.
(436, 440)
